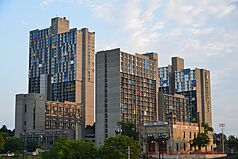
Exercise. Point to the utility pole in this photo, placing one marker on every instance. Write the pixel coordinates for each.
(129, 152)
(222, 125)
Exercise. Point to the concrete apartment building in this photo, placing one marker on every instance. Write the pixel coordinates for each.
(194, 84)
(173, 108)
(126, 89)
(35, 117)
(29, 113)
(61, 65)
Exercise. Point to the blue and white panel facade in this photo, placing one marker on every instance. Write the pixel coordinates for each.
(63, 57)
(163, 77)
(39, 54)
(185, 80)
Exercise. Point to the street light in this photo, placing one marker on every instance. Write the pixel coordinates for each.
(222, 125)
(118, 131)
(41, 141)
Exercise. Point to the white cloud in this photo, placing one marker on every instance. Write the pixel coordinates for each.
(152, 7)
(221, 72)
(198, 31)
(104, 11)
(110, 45)
(221, 9)
(158, 25)
(45, 3)
(179, 12)
(174, 32)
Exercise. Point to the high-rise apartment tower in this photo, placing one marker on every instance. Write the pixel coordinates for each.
(126, 89)
(194, 84)
(61, 65)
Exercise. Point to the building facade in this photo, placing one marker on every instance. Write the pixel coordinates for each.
(35, 115)
(63, 116)
(126, 89)
(61, 65)
(194, 84)
(165, 79)
(45, 138)
(173, 108)
(163, 138)
(29, 113)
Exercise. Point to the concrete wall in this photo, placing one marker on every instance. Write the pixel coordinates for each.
(29, 113)
(206, 97)
(107, 94)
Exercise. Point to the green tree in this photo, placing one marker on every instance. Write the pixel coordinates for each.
(128, 129)
(233, 143)
(68, 149)
(202, 139)
(8, 132)
(1, 142)
(217, 138)
(32, 145)
(84, 150)
(207, 128)
(12, 144)
(117, 148)
(60, 150)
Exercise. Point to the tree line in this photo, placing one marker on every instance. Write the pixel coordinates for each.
(9, 143)
(114, 147)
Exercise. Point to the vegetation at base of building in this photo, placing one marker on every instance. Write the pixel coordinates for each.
(31, 145)
(128, 129)
(233, 143)
(232, 156)
(8, 143)
(217, 140)
(2, 142)
(117, 148)
(202, 139)
(114, 148)
(12, 144)
(65, 148)
(230, 143)
(7, 132)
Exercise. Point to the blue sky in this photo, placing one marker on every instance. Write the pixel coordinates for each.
(204, 33)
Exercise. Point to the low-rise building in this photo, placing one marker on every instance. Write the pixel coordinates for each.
(62, 115)
(162, 137)
(35, 115)
(29, 113)
(45, 138)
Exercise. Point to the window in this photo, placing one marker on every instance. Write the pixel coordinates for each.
(25, 108)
